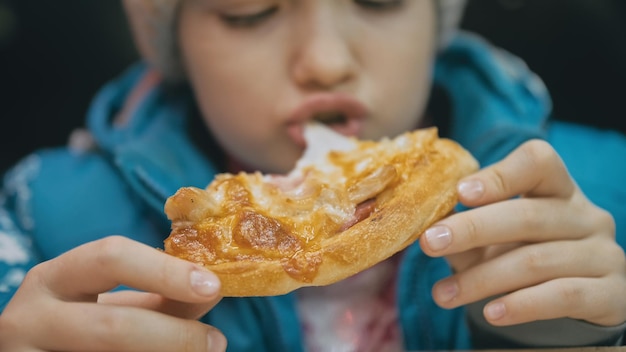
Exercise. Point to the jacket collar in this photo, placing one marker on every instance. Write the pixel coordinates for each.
(143, 129)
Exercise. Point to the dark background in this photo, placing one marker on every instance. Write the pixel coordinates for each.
(54, 55)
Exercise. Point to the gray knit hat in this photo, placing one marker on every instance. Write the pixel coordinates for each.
(153, 21)
(450, 13)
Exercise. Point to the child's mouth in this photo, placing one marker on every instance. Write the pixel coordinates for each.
(341, 112)
(331, 118)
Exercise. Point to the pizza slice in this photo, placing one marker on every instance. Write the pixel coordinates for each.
(347, 205)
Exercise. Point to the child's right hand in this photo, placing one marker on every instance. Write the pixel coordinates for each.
(61, 304)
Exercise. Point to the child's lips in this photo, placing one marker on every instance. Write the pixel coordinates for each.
(352, 111)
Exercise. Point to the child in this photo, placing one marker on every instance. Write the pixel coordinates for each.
(531, 262)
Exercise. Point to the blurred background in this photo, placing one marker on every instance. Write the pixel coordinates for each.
(55, 55)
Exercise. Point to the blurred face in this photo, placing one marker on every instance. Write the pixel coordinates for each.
(261, 69)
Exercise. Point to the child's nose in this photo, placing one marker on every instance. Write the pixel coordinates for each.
(323, 56)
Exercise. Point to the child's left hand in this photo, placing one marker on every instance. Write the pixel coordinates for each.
(550, 252)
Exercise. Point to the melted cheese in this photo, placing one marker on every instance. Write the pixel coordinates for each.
(248, 216)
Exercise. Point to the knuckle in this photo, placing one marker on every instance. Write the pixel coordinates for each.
(499, 180)
(36, 273)
(110, 320)
(534, 260)
(193, 338)
(616, 312)
(538, 153)
(109, 326)
(605, 221)
(598, 221)
(617, 257)
(621, 255)
(622, 304)
(37, 276)
(108, 250)
(473, 227)
(522, 307)
(524, 303)
(188, 340)
(9, 326)
(529, 217)
(170, 275)
(571, 294)
(612, 312)
(174, 272)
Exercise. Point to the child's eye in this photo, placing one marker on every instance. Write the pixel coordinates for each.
(250, 19)
(379, 4)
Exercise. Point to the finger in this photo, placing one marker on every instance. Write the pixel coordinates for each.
(517, 220)
(6, 344)
(113, 328)
(102, 265)
(534, 169)
(158, 303)
(532, 265)
(589, 299)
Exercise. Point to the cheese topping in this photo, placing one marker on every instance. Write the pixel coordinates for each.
(250, 216)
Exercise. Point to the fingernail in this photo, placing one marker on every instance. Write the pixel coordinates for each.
(446, 291)
(204, 283)
(438, 237)
(471, 189)
(495, 311)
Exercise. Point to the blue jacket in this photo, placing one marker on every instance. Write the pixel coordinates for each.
(58, 198)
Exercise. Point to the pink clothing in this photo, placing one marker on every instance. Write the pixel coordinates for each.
(358, 314)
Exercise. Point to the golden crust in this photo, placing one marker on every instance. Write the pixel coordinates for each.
(426, 193)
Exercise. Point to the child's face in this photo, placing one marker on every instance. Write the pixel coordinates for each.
(260, 69)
